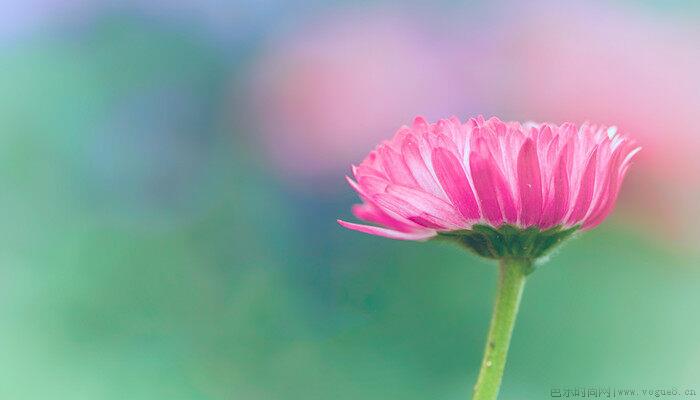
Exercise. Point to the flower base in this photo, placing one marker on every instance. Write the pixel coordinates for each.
(508, 241)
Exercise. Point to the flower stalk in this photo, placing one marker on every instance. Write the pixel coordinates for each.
(512, 273)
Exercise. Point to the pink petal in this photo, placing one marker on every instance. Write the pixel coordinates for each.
(355, 186)
(585, 193)
(556, 209)
(412, 156)
(428, 203)
(388, 233)
(529, 184)
(409, 212)
(490, 186)
(420, 125)
(396, 168)
(611, 193)
(608, 167)
(454, 182)
(381, 217)
(371, 213)
(420, 207)
(371, 184)
(365, 170)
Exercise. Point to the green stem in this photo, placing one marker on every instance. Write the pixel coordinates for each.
(511, 281)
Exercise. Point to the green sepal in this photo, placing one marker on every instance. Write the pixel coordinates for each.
(508, 241)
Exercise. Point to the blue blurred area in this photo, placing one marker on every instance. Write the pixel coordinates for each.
(172, 174)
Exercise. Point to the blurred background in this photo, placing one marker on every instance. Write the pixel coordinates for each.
(171, 173)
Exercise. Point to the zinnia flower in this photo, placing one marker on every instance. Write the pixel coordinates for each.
(504, 190)
(482, 178)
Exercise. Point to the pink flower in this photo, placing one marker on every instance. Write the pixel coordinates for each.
(453, 176)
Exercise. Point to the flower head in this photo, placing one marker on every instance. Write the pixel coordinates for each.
(487, 180)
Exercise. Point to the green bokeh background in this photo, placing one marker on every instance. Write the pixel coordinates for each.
(148, 252)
